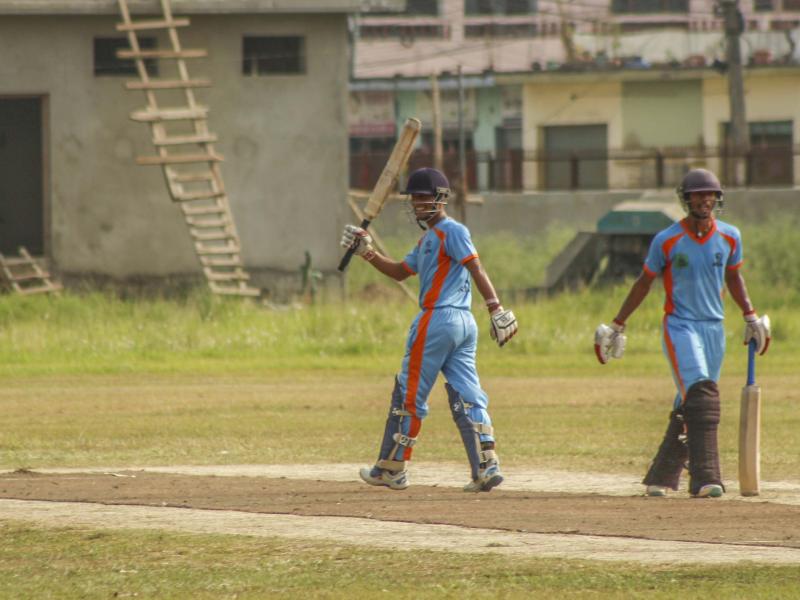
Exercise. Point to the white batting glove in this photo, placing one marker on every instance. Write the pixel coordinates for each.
(503, 325)
(359, 240)
(609, 341)
(758, 329)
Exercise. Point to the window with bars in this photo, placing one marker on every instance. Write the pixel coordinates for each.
(500, 7)
(650, 6)
(762, 5)
(107, 63)
(413, 7)
(404, 31)
(273, 55)
(503, 30)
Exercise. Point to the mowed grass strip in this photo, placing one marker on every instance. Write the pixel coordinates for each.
(84, 563)
(573, 423)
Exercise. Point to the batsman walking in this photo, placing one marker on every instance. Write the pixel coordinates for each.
(697, 258)
(443, 337)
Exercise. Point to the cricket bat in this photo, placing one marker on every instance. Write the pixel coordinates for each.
(388, 179)
(750, 429)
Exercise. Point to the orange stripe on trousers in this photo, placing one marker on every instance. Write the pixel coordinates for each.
(418, 346)
(414, 373)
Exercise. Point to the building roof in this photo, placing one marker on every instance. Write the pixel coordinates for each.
(110, 7)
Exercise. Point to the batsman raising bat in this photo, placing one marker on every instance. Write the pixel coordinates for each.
(696, 257)
(443, 337)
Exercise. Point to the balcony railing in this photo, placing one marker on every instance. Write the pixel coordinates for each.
(517, 171)
(649, 6)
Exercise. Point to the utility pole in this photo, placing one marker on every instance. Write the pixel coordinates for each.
(462, 191)
(567, 34)
(438, 157)
(739, 134)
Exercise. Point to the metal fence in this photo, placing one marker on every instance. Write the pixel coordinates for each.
(518, 171)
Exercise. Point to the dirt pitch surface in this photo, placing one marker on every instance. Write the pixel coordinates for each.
(534, 513)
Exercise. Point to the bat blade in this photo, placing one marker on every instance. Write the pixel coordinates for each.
(391, 171)
(750, 441)
(750, 432)
(388, 177)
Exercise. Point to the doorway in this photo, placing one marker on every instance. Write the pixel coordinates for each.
(21, 175)
(575, 157)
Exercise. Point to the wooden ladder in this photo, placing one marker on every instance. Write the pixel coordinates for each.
(185, 149)
(25, 276)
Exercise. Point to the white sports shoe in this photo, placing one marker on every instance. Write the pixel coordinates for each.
(710, 490)
(656, 490)
(378, 476)
(488, 478)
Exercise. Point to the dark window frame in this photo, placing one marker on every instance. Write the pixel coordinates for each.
(106, 64)
(414, 8)
(649, 7)
(501, 30)
(273, 55)
(480, 8)
(404, 31)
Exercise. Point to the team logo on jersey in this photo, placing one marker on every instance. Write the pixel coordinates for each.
(681, 261)
(717, 259)
(428, 247)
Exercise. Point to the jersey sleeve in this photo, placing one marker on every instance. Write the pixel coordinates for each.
(655, 261)
(459, 246)
(411, 261)
(735, 258)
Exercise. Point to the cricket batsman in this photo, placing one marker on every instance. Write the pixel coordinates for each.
(697, 258)
(443, 337)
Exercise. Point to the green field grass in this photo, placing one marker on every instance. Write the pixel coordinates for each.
(101, 333)
(79, 563)
(547, 422)
(94, 380)
(97, 333)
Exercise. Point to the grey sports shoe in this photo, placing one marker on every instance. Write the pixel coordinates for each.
(656, 490)
(488, 478)
(382, 477)
(710, 490)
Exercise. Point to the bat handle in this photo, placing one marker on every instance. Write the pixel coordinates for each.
(751, 363)
(350, 251)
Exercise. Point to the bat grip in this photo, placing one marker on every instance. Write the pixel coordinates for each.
(350, 251)
(751, 363)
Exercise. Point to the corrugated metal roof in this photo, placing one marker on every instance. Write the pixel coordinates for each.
(107, 7)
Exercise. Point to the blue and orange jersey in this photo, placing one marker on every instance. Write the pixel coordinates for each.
(439, 258)
(693, 268)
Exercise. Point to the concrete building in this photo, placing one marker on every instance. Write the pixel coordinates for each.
(547, 78)
(437, 36)
(644, 129)
(69, 187)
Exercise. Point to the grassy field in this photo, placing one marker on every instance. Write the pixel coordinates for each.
(75, 563)
(91, 380)
(548, 422)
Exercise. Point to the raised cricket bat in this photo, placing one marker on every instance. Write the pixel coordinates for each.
(388, 179)
(750, 429)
